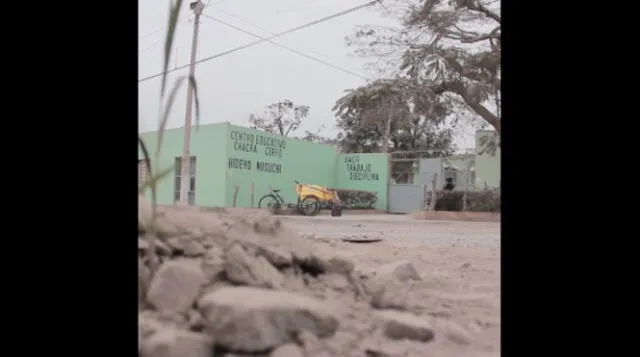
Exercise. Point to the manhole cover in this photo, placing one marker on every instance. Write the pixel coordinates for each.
(361, 240)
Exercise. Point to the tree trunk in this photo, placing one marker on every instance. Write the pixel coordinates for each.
(387, 133)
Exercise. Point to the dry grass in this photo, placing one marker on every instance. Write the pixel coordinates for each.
(166, 104)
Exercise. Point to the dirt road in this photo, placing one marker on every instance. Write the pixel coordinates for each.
(459, 263)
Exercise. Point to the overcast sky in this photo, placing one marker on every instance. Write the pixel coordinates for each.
(233, 86)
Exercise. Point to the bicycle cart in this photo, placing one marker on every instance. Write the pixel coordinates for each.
(309, 199)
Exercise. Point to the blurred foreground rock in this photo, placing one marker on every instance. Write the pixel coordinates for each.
(234, 283)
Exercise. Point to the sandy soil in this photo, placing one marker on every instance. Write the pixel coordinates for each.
(459, 263)
(452, 309)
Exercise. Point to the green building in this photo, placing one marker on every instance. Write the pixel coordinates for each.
(225, 157)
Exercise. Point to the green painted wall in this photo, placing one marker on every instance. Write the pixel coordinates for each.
(229, 155)
(366, 172)
(208, 144)
(269, 160)
(487, 165)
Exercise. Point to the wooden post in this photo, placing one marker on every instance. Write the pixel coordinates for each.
(235, 195)
(434, 197)
(253, 194)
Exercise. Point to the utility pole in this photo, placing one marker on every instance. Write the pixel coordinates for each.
(185, 181)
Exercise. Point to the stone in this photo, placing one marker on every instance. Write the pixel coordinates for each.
(161, 247)
(194, 320)
(399, 325)
(456, 333)
(144, 213)
(143, 282)
(176, 285)
(213, 263)
(148, 325)
(401, 271)
(287, 350)
(324, 262)
(176, 343)
(255, 320)
(193, 248)
(244, 269)
(278, 257)
(187, 246)
(389, 294)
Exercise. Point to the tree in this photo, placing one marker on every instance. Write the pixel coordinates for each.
(390, 104)
(452, 46)
(281, 118)
(393, 115)
(318, 138)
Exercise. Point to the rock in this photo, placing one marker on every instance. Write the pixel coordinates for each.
(401, 271)
(213, 263)
(143, 282)
(194, 249)
(389, 294)
(195, 321)
(337, 282)
(144, 213)
(187, 246)
(242, 268)
(456, 333)
(254, 320)
(277, 256)
(323, 262)
(161, 247)
(175, 343)
(176, 285)
(402, 325)
(147, 325)
(287, 350)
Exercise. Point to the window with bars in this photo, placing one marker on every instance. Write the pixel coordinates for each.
(143, 173)
(191, 195)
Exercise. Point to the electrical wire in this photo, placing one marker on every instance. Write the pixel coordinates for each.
(341, 13)
(184, 17)
(328, 64)
(239, 19)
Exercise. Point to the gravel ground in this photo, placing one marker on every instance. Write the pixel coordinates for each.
(459, 263)
(401, 230)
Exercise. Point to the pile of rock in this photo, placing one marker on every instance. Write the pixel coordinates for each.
(229, 284)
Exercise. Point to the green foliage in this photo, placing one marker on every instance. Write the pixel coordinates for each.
(415, 118)
(282, 118)
(451, 47)
(352, 199)
(358, 199)
(477, 201)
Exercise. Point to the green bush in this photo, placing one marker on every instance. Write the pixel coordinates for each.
(478, 201)
(351, 199)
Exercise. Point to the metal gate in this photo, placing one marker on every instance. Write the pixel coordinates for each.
(410, 196)
(405, 198)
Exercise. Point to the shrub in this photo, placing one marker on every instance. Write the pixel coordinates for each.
(352, 199)
(477, 201)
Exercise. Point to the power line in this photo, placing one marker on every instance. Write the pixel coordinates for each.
(266, 39)
(165, 26)
(336, 67)
(239, 19)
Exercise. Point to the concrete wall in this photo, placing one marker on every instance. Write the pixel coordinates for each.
(269, 160)
(487, 165)
(366, 172)
(229, 155)
(208, 144)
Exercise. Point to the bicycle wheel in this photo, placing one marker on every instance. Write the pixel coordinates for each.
(270, 202)
(310, 206)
